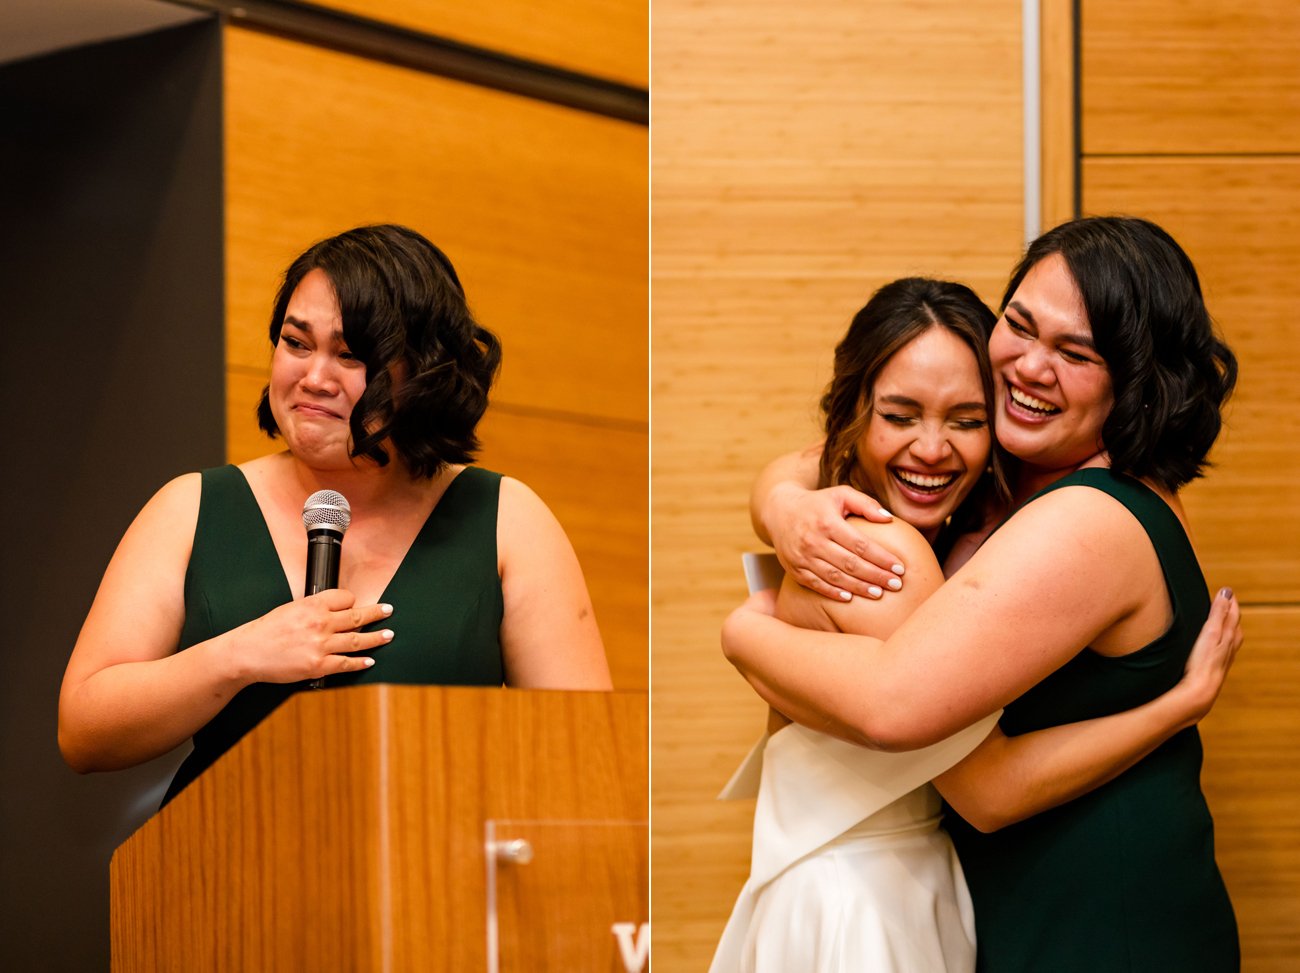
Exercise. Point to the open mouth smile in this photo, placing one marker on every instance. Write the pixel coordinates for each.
(923, 483)
(1030, 404)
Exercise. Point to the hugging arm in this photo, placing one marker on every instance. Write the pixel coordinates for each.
(1007, 779)
(984, 638)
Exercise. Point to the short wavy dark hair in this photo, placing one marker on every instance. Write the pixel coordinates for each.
(896, 315)
(402, 304)
(1170, 372)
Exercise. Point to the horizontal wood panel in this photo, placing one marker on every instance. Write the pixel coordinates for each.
(1239, 220)
(1162, 76)
(594, 478)
(607, 38)
(541, 208)
(1252, 781)
(802, 159)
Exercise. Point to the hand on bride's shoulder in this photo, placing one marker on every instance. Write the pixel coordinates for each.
(867, 615)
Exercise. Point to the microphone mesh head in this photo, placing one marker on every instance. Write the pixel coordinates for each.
(325, 508)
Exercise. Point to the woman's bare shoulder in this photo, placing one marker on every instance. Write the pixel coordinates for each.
(877, 617)
(519, 507)
(178, 498)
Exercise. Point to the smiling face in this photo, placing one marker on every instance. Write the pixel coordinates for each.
(315, 380)
(927, 440)
(1053, 389)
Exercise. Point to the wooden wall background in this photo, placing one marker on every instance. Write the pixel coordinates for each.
(801, 160)
(543, 210)
(1191, 117)
(797, 165)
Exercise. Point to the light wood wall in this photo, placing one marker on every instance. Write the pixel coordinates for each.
(802, 158)
(1191, 118)
(542, 209)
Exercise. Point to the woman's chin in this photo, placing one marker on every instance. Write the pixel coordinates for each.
(924, 517)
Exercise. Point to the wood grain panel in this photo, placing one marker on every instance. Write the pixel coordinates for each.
(1239, 220)
(596, 481)
(593, 477)
(1160, 76)
(542, 209)
(1252, 781)
(607, 38)
(243, 872)
(801, 160)
(154, 875)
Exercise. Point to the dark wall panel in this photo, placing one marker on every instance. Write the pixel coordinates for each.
(112, 383)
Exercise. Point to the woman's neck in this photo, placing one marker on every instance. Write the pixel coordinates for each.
(367, 486)
(1028, 479)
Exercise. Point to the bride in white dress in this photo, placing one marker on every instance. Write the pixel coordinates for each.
(850, 870)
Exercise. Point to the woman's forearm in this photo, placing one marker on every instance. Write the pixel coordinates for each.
(1008, 779)
(125, 714)
(828, 694)
(793, 470)
(116, 711)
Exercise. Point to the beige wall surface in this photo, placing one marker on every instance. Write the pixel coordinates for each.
(542, 209)
(802, 157)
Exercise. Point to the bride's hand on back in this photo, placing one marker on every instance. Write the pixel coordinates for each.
(1211, 656)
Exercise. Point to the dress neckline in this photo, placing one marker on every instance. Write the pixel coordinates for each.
(270, 550)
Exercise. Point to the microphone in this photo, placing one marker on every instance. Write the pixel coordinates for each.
(326, 515)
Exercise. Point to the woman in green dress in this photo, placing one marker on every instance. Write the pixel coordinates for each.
(1085, 602)
(449, 573)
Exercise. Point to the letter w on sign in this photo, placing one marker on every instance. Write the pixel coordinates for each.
(633, 944)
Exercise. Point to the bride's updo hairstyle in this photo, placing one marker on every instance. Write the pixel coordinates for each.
(1170, 373)
(429, 364)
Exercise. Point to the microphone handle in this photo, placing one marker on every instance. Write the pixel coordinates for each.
(324, 547)
(323, 550)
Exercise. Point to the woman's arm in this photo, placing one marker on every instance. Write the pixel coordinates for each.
(806, 526)
(1062, 571)
(129, 696)
(549, 636)
(1007, 779)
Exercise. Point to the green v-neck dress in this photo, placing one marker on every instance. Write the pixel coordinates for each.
(446, 598)
(1123, 879)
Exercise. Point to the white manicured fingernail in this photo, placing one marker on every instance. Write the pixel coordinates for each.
(874, 592)
(885, 513)
(845, 596)
(386, 609)
(387, 634)
(894, 584)
(897, 569)
(367, 662)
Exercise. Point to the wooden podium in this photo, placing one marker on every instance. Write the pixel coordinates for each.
(396, 828)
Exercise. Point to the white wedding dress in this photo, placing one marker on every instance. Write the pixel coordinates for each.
(850, 872)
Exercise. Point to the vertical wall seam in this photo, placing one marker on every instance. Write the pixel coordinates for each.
(1032, 91)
